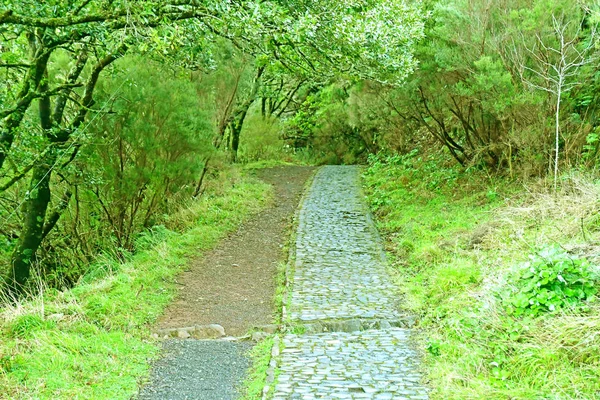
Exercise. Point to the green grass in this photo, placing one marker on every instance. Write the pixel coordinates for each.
(256, 380)
(454, 238)
(93, 341)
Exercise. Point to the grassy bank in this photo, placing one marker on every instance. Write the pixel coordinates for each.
(93, 341)
(497, 274)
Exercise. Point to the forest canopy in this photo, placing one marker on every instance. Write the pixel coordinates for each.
(103, 102)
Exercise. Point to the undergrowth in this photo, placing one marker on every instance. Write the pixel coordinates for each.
(93, 341)
(501, 275)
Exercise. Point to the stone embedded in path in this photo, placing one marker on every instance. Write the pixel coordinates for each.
(212, 331)
(341, 283)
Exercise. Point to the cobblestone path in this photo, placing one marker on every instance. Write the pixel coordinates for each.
(340, 280)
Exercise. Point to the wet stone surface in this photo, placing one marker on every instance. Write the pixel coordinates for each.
(340, 270)
(340, 278)
(376, 364)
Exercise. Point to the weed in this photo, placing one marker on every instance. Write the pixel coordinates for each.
(550, 281)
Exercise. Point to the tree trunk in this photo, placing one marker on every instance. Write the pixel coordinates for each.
(557, 132)
(36, 205)
(199, 189)
(38, 197)
(236, 129)
(26, 95)
(237, 122)
(32, 233)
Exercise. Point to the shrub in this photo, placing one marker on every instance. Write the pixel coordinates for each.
(551, 280)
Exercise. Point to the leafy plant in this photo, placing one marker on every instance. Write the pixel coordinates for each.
(590, 149)
(433, 347)
(551, 280)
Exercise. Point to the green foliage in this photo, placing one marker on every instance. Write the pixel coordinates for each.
(300, 129)
(324, 126)
(477, 89)
(592, 145)
(127, 151)
(433, 347)
(399, 187)
(452, 243)
(549, 281)
(261, 141)
(93, 341)
(153, 148)
(132, 168)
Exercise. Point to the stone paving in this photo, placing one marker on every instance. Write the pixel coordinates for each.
(340, 278)
(340, 270)
(376, 364)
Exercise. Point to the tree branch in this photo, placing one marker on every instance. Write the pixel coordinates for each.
(16, 178)
(14, 65)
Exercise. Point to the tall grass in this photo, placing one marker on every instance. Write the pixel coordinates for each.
(454, 238)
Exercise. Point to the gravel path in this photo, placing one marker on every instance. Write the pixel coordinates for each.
(233, 286)
(340, 277)
(198, 370)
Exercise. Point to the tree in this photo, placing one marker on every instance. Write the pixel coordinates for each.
(470, 94)
(59, 50)
(557, 58)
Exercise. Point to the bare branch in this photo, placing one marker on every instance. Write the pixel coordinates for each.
(14, 65)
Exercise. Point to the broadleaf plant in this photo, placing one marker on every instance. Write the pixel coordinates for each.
(551, 280)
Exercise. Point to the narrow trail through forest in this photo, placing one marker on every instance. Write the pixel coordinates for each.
(341, 289)
(232, 286)
(353, 345)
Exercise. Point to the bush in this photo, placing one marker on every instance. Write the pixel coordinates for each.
(551, 280)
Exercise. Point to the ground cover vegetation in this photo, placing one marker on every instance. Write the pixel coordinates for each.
(487, 194)
(119, 122)
(503, 281)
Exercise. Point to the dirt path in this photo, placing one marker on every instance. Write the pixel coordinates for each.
(234, 284)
